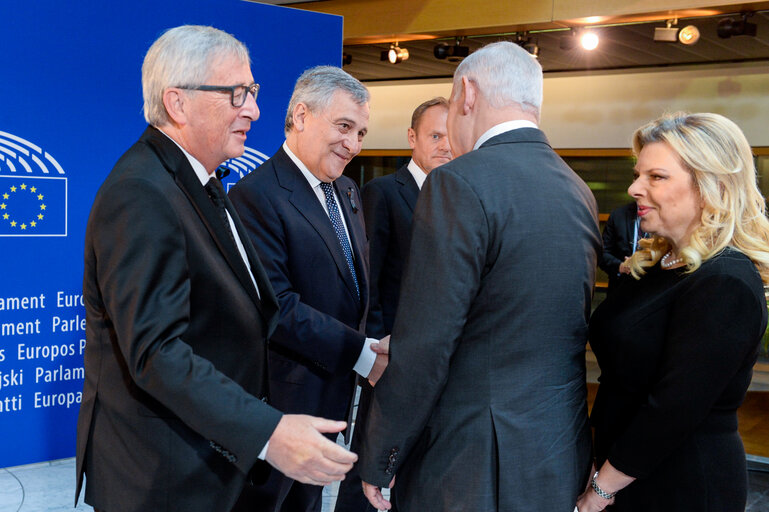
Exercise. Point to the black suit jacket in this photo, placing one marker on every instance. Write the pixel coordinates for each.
(484, 398)
(388, 204)
(172, 416)
(618, 240)
(322, 319)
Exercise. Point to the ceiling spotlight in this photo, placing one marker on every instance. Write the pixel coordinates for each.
(533, 48)
(527, 43)
(689, 35)
(453, 53)
(729, 27)
(671, 34)
(668, 34)
(395, 54)
(589, 40)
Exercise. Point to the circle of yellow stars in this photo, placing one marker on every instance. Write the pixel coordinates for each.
(29, 223)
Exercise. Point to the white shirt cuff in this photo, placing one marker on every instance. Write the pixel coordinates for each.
(263, 453)
(366, 359)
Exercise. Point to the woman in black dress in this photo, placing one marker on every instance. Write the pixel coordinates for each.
(676, 345)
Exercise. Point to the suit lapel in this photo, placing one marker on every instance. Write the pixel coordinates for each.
(303, 198)
(176, 164)
(408, 187)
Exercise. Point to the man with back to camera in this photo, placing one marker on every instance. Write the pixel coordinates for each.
(483, 405)
(304, 219)
(388, 205)
(179, 308)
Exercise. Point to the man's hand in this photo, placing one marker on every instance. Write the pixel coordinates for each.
(374, 495)
(382, 349)
(299, 450)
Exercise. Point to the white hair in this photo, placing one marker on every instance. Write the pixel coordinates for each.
(316, 86)
(183, 56)
(505, 74)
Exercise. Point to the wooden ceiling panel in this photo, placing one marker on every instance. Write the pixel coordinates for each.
(624, 46)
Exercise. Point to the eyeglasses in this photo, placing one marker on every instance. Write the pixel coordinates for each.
(238, 93)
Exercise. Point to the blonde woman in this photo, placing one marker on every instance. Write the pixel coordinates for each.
(676, 345)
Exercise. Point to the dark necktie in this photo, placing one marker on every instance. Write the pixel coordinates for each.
(216, 193)
(336, 221)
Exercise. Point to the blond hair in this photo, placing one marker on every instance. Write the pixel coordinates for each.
(717, 155)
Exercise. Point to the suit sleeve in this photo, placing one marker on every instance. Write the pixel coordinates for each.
(142, 268)
(318, 338)
(609, 262)
(712, 336)
(377, 215)
(443, 275)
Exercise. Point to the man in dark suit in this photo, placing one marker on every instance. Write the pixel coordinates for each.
(483, 405)
(304, 218)
(620, 239)
(388, 205)
(178, 307)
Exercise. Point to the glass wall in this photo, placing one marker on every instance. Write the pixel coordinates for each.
(607, 176)
(365, 168)
(608, 173)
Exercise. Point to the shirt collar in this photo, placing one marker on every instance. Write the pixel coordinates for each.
(200, 171)
(419, 175)
(502, 128)
(310, 177)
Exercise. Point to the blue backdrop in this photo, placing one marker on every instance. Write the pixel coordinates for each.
(70, 105)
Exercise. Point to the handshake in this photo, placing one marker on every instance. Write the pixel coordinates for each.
(298, 448)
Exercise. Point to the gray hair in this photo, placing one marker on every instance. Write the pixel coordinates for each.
(183, 56)
(317, 85)
(505, 74)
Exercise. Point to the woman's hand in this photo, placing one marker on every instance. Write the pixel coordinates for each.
(612, 480)
(591, 502)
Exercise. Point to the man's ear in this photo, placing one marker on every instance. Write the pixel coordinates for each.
(412, 138)
(299, 115)
(176, 104)
(469, 95)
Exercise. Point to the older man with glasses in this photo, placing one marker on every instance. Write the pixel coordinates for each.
(178, 307)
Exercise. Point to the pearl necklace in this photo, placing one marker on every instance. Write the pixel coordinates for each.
(667, 262)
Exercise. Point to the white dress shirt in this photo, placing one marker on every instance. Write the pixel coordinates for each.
(502, 128)
(419, 175)
(367, 356)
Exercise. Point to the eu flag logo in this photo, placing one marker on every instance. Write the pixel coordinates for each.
(33, 206)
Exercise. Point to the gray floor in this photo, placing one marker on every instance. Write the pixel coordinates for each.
(48, 487)
(758, 490)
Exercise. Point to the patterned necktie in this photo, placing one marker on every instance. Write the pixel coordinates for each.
(215, 191)
(336, 221)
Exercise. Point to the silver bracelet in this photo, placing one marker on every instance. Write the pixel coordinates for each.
(600, 492)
